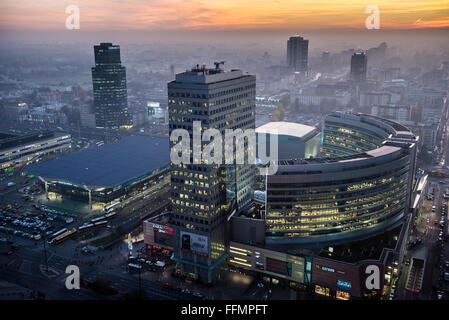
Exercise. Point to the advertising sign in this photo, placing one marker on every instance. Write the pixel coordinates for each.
(195, 243)
(130, 244)
(344, 285)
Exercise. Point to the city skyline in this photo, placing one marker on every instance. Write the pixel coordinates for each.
(128, 168)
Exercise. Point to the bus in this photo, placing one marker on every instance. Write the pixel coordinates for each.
(58, 233)
(85, 227)
(100, 224)
(97, 219)
(133, 266)
(63, 237)
(109, 208)
(110, 215)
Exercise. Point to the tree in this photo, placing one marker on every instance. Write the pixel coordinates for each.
(285, 100)
(296, 105)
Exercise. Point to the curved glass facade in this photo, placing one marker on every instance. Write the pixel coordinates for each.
(362, 186)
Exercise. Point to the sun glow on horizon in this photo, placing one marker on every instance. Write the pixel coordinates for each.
(222, 14)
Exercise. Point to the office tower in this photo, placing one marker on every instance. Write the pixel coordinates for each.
(204, 195)
(109, 86)
(358, 66)
(297, 53)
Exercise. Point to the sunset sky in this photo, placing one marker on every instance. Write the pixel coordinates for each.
(222, 14)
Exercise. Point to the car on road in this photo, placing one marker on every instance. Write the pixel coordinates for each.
(198, 295)
(168, 285)
(8, 253)
(407, 262)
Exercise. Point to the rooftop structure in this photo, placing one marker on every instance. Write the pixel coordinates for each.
(109, 165)
(286, 128)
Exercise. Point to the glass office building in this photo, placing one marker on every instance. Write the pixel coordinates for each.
(203, 194)
(298, 53)
(109, 88)
(361, 186)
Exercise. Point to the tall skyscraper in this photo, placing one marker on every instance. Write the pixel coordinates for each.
(204, 195)
(297, 53)
(109, 87)
(358, 66)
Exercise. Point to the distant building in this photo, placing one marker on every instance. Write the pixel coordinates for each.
(399, 113)
(13, 109)
(267, 102)
(295, 141)
(370, 98)
(428, 129)
(87, 115)
(427, 133)
(16, 150)
(45, 116)
(172, 71)
(155, 113)
(277, 71)
(109, 87)
(140, 118)
(358, 66)
(297, 53)
(317, 97)
(387, 74)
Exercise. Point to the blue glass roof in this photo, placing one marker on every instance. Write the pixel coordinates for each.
(109, 165)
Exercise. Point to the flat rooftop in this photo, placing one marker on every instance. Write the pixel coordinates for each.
(12, 141)
(109, 165)
(286, 128)
(203, 75)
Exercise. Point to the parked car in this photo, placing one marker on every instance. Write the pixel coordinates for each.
(168, 285)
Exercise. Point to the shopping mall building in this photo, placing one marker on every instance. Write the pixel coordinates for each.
(327, 219)
(328, 222)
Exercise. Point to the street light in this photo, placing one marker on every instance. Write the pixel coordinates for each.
(45, 249)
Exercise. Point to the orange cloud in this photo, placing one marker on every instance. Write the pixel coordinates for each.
(222, 14)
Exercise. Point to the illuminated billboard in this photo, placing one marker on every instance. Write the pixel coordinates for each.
(194, 243)
(163, 235)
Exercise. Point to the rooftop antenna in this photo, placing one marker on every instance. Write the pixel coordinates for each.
(217, 64)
